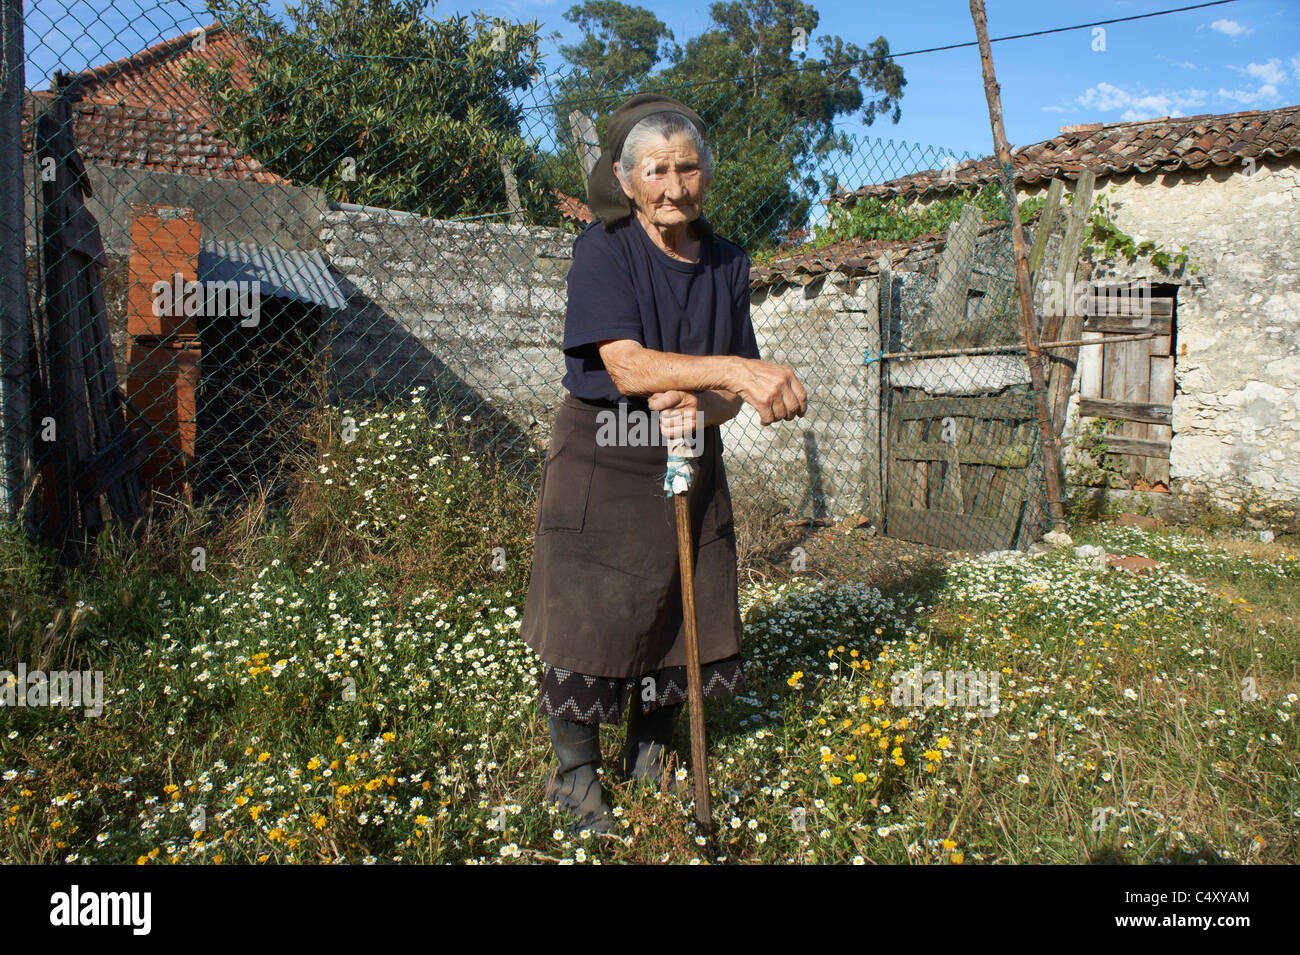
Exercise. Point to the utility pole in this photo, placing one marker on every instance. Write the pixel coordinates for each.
(1028, 321)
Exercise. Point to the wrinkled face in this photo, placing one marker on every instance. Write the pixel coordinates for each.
(668, 185)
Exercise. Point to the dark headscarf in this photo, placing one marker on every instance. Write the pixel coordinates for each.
(605, 197)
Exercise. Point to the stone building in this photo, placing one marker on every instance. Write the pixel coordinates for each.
(1222, 189)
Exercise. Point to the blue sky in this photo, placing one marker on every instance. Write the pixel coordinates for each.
(1242, 55)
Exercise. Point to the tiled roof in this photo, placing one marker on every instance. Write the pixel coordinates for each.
(571, 208)
(1165, 144)
(154, 78)
(160, 140)
(855, 258)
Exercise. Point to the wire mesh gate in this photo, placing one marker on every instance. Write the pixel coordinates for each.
(275, 241)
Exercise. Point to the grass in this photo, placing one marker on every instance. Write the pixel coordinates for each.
(345, 683)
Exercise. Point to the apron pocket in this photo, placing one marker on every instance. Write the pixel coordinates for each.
(567, 482)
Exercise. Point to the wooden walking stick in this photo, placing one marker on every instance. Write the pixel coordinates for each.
(676, 483)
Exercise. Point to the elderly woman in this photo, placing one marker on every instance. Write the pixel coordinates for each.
(658, 323)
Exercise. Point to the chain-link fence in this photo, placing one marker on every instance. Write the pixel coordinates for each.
(283, 225)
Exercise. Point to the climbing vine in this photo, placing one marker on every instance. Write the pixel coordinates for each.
(1106, 238)
(1097, 466)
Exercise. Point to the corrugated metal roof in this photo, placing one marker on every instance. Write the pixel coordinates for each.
(284, 273)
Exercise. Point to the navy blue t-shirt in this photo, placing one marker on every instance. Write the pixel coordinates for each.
(622, 285)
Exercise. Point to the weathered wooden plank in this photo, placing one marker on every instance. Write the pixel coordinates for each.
(992, 455)
(954, 531)
(1131, 306)
(948, 301)
(1137, 373)
(1125, 410)
(952, 480)
(1046, 223)
(1062, 361)
(1067, 261)
(1148, 447)
(885, 312)
(1121, 325)
(1090, 368)
(872, 465)
(1161, 391)
(586, 139)
(995, 406)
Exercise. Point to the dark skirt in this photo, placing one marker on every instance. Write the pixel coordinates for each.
(604, 596)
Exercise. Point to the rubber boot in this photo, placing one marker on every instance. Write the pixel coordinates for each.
(574, 785)
(649, 740)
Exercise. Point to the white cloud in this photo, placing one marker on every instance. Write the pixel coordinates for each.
(1270, 72)
(1058, 109)
(1295, 66)
(1265, 94)
(1181, 64)
(1106, 97)
(1230, 28)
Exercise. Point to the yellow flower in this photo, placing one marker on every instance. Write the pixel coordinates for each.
(263, 757)
(313, 763)
(958, 858)
(275, 835)
(859, 777)
(254, 811)
(317, 820)
(949, 844)
(389, 737)
(240, 800)
(835, 780)
(943, 742)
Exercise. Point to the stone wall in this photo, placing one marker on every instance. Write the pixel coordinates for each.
(1236, 425)
(472, 311)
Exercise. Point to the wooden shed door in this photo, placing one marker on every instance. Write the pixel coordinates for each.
(959, 468)
(1133, 381)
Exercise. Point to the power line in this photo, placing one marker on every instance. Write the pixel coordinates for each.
(938, 49)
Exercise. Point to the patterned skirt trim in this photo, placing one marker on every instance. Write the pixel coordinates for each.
(597, 699)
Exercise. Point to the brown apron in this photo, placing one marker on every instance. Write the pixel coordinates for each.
(604, 597)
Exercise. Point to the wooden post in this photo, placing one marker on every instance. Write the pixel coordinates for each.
(1034, 354)
(584, 135)
(1064, 362)
(885, 310)
(512, 192)
(15, 332)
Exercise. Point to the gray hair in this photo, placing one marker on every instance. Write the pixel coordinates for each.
(658, 126)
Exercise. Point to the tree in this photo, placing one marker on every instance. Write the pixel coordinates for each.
(374, 104)
(620, 45)
(770, 106)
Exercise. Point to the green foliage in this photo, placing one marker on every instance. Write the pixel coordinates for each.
(375, 104)
(1106, 240)
(406, 491)
(1101, 468)
(896, 220)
